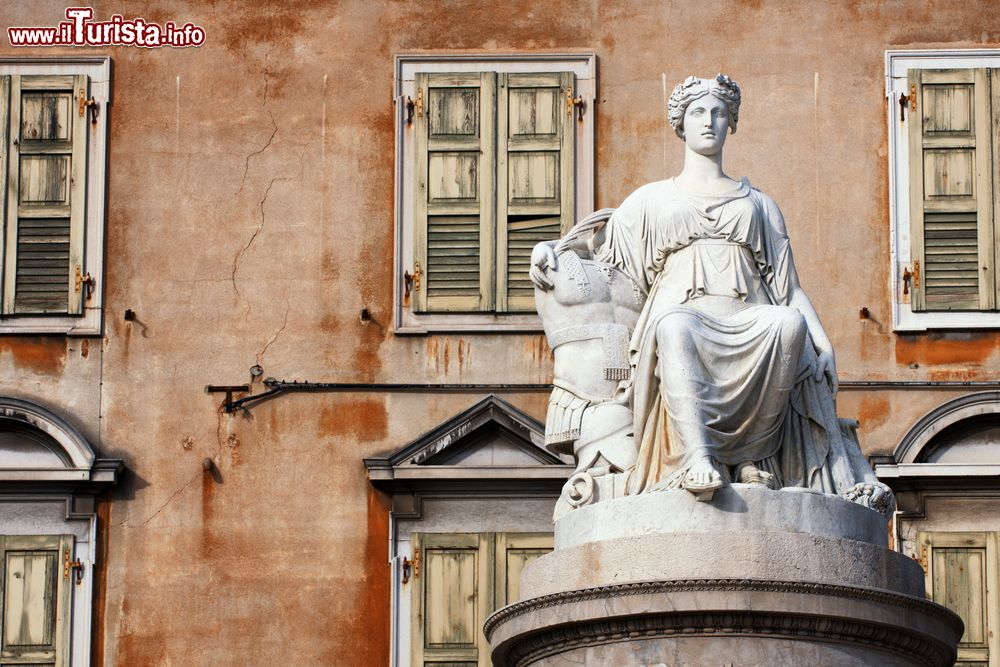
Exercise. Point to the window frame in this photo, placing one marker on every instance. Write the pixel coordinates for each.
(584, 67)
(57, 495)
(89, 322)
(897, 64)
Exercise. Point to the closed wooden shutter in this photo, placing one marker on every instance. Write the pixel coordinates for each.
(961, 574)
(514, 552)
(45, 195)
(461, 579)
(535, 176)
(451, 599)
(36, 587)
(454, 181)
(951, 190)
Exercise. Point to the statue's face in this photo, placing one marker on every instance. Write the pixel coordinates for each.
(706, 123)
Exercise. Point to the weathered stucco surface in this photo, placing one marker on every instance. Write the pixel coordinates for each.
(250, 220)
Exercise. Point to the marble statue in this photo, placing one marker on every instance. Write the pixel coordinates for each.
(688, 356)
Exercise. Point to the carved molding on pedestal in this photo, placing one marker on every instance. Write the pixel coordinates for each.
(656, 624)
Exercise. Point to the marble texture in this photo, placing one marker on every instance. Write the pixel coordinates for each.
(724, 371)
(756, 577)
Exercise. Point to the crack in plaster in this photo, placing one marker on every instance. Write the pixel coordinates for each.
(284, 323)
(126, 524)
(246, 166)
(253, 237)
(216, 458)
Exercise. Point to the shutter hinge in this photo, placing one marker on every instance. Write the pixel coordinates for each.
(412, 106)
(574, 102)
(94, 105)
(80, 280)
(910, 100)
(411, 566)
(911, 276)
(923, 558)
(69, 565)
(411, 283)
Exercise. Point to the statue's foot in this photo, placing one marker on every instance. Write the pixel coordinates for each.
(748, 473)
(702, 478)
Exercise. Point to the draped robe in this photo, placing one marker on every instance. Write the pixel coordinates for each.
(739, 383)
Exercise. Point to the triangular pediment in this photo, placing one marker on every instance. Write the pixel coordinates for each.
(491, 432)
(490, 440)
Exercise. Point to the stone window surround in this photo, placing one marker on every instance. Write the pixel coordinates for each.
(897, 62)
(922, 487)
(584, 66)
(431, 495)
(58, 499)
(98, 68)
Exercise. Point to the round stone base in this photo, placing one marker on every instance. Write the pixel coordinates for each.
(756, 577)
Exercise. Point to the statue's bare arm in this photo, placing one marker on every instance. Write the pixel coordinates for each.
(827, 364)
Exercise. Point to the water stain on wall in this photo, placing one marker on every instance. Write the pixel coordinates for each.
(946, 348)
(367, 630)
(873, 412)
(43, 354)
(365, 419)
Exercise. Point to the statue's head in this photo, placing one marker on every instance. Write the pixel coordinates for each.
(693, 88)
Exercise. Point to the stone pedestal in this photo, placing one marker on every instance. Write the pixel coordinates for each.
(753, 578)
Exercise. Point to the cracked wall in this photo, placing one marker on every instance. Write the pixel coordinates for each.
(250, 221)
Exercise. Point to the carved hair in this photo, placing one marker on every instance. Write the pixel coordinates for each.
(692, 88)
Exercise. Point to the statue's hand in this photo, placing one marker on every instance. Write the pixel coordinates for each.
(543, 258)
(826, 365)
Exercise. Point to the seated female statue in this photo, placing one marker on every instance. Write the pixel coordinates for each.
(733, 376)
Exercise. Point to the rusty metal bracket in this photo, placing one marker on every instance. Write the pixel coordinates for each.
(576, 102)
(911, 277)
(411, 566)
(923, 558)
(228, 390)
(409, 110)
(420, 102)
(903, 99)
(80, 280)
(70, 565)
(411, 282)
(94, 105)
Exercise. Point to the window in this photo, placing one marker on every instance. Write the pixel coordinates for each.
(462, 579)
(50, 479)
(945, 140)
(945, 473)
(960, 571)
(53, 127)
(472, 503)
(493, 156)
(36, 585)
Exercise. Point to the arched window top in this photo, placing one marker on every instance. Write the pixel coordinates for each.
(35, 441)
(973, 440)
(963, 430)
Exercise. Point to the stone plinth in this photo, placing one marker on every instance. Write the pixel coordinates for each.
(753, 578)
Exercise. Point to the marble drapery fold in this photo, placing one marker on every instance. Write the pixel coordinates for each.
(738, 379)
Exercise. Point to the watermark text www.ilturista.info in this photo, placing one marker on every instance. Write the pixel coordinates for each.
(80, 30)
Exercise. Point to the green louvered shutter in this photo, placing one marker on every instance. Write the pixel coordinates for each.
(951, 190)
(46, 195)
(454, 179)
(535, 176)
(36, 588)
